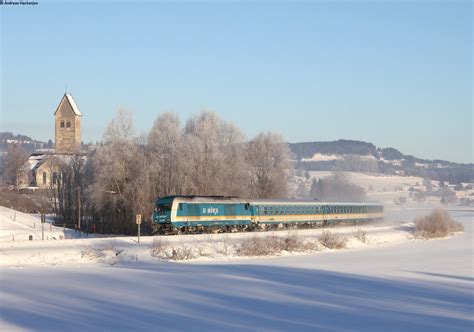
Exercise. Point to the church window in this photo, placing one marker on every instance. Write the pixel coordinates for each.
(68, 124)
(44, 177)
(62, 124)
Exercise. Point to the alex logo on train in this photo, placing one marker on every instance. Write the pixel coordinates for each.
(210, 210)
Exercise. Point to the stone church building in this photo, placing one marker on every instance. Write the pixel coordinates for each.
(40, 171)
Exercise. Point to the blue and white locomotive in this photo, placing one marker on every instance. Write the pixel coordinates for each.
(181, 214)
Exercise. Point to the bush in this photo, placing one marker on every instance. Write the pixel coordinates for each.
(360, 235)
(259, 246)
(438, 224)
(163, 249)
(271, 245)
(332, 240)
(106, 254)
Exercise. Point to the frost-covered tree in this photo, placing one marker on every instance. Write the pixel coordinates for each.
(68, 191)
(302, 191)
(166, 156)
(16, 157)
(120, 183)
(268, 159)
(337, 187)
(214, 156)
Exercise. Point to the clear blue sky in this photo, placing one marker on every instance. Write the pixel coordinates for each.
(396, 74)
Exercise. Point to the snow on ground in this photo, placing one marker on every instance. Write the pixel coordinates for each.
(393, 282)
(19, 226)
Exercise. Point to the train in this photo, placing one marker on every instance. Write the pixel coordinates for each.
(200, 214)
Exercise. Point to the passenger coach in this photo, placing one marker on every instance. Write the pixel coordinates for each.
(179, 214)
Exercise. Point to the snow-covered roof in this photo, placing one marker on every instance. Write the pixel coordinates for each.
(36, 160)
(33, 162)
(71, 102)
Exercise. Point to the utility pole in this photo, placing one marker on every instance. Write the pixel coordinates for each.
(78, 189)
(43, 220)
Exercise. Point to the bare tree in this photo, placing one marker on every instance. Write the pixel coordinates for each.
(268, 160)
(67, 190)
(16, 157)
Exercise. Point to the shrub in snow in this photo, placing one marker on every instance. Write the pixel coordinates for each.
(438, 224)
(332, 240)
(163, 249)
(182, 253)
(258, 246)
(360, 235)
(106, 254)
(271, 245)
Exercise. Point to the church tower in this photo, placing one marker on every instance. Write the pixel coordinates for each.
(67, 126)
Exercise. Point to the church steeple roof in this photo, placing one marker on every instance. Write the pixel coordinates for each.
(68, 98)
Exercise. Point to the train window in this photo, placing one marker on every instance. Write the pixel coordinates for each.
(180, 207)
(161, 208)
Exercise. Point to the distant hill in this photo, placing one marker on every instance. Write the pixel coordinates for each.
(357, 156)
(27, 143)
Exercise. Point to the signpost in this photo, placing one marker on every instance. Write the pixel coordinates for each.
(138, 220)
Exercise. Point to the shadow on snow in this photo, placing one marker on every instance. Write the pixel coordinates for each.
(237, 297)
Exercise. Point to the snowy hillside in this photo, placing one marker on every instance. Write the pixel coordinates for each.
(390, 188)
(357, 156)
(17, 226)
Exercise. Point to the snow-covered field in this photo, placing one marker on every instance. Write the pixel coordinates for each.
(392, 282)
